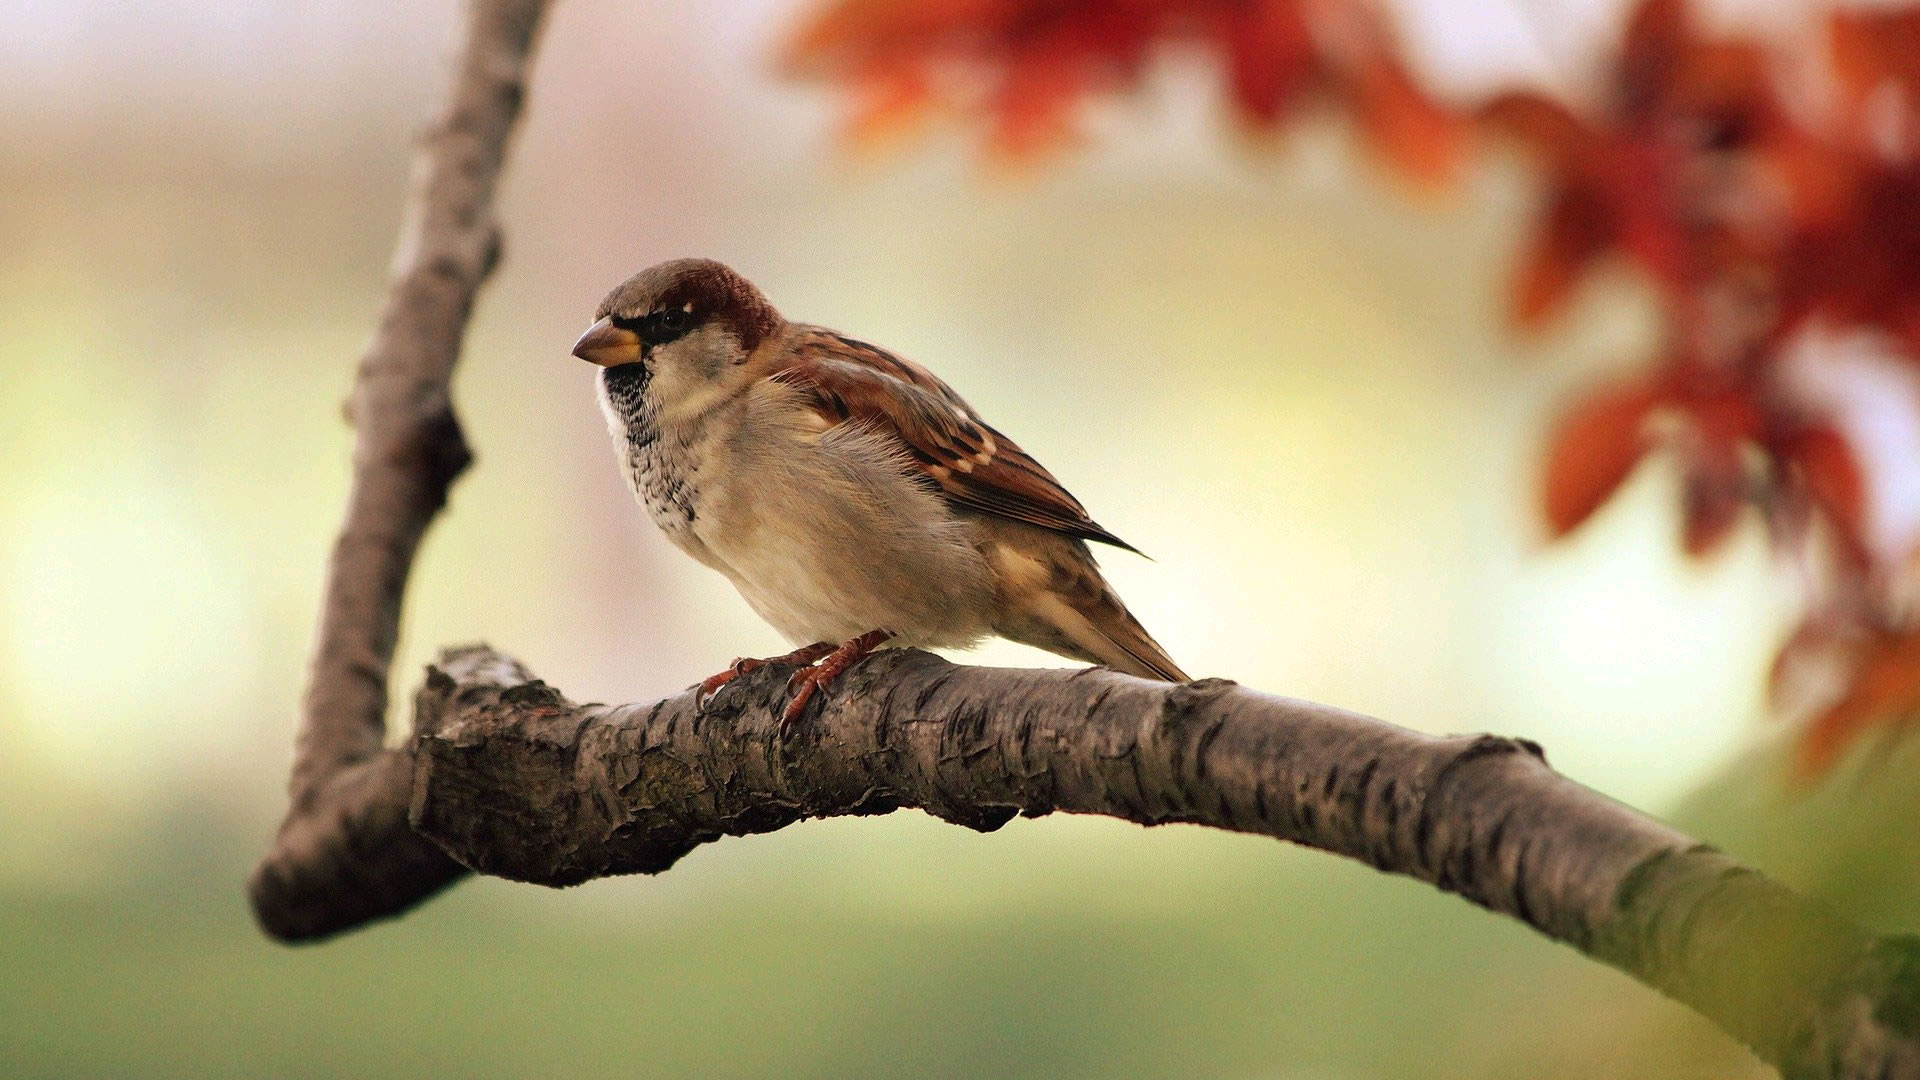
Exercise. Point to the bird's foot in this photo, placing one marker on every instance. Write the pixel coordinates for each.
(744, 665)
(807, 680)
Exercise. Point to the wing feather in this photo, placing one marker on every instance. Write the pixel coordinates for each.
(975, 466)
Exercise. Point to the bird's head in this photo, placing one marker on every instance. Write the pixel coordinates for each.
(685, 327)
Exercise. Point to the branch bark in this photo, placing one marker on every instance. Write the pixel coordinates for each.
(505, 776)
(513, 779)
(408, 450)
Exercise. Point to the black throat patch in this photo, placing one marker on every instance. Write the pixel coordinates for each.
(626, 387)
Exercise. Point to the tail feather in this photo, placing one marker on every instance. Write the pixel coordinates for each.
(1087, 621)
(1130, 648)
(1055, 598)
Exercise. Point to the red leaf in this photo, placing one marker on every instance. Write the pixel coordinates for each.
(1036, 100)
(1640, 183)
(1825, 464)
(1406, 126)
(1269, 58)
(1653, 53)
(889, 102)
(1542, 124)
(1725, 417)
(1885, 688)
(1595, 448)
(848, 36)
(1820, 648)
(1716, 488)
(1714, 494)
(1876, 53)
(1576, 230)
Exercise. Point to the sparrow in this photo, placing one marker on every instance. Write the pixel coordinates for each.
(853, 498)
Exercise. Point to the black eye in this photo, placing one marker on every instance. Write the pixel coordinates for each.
(660, 327)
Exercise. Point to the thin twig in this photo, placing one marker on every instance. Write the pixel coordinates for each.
(407, 452)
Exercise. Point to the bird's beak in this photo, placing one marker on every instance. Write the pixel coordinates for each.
(608, 345)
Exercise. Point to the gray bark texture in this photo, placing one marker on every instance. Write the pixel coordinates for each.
(503, 775)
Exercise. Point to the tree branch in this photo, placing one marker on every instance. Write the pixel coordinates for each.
(513, 779)
(407, 452)
(506, 776)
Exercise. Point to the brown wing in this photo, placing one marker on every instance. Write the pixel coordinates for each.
(974, 465)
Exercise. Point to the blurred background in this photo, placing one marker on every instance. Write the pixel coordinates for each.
(1272, 365)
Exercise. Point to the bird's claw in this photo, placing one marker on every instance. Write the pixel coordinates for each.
(820, 663)
(747, 665)
(742, 665)
(803, 684)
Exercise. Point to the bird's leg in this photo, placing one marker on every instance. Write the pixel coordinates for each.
(742, 665)
(808, 679)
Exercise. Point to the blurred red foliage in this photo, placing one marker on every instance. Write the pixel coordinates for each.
(1026, 64)
(1770, 223)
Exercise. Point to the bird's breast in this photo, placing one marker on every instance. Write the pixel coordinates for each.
(663, 476)
(661, 462)
(826, 535)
